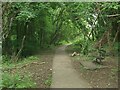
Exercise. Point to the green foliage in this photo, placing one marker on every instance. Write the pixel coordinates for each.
(116, 49)
(8, 63)
(48, 81)
(25, 16)
(117, 46)
(46, 24)
(6, 58)
(16, 81)
(114, 70)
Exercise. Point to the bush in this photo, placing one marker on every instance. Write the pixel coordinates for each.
(6, 58)
(16, 81)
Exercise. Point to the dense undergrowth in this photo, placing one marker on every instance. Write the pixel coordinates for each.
(15, 79)
(7, 62)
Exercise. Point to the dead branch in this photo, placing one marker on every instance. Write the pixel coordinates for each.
(115, 15)
(22, 66)
(22, 45)
(75, 54)
(115, 37)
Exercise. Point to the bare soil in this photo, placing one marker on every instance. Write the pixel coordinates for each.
(99, 78)
(41, 73)
(40, 70)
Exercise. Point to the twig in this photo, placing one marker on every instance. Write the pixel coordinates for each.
(115, 15)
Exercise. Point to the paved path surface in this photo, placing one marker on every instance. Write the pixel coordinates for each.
(64, 75)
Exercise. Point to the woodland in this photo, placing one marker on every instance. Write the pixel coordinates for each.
(29, 28)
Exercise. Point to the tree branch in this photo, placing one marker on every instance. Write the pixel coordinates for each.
(22, 45)
(115, 36)
(115, 15)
